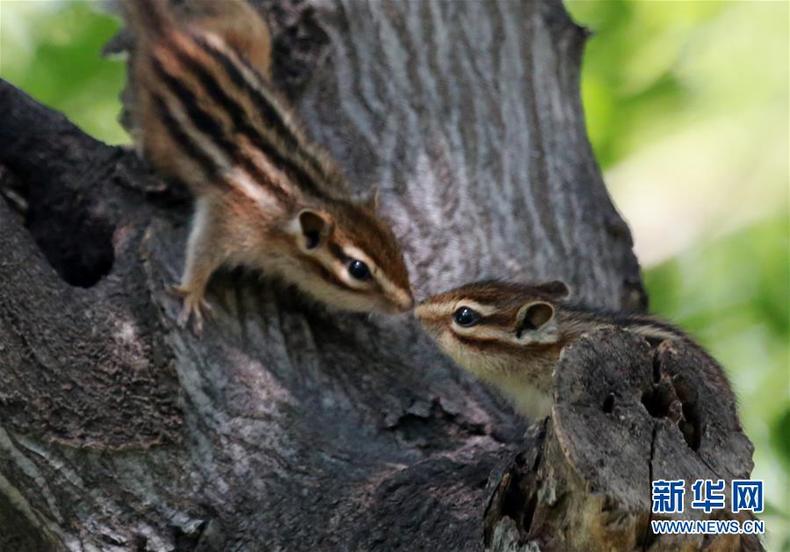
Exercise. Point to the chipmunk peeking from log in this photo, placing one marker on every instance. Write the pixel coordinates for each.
(511, 335)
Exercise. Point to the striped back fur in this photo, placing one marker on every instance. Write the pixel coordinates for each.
(204, 109)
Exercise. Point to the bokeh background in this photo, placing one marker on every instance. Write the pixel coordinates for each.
(687, 110)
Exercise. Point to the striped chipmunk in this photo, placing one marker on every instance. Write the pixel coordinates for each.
(511, 335)
(266, 197)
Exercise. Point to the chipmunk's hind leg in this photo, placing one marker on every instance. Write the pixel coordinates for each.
(203, 257)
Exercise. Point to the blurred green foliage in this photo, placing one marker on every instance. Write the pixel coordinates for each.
(652, 65)
(52, 50)
(627, 76)
(651, 69)
(733, 296)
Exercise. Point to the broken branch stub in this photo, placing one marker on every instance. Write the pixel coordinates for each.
(626, 413)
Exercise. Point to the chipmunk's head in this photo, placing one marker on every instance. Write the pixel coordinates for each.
(351, 259)
(487, 327)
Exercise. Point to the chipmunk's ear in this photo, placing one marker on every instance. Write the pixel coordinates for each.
(312, 228)
(556, 289)
(535, 322)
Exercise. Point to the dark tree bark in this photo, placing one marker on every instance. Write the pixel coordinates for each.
(287, 427)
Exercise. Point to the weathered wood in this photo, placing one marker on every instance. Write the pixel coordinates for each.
(286, 427)
(622, 407)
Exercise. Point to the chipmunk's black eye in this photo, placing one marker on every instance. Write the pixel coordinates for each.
(358, 270)
(466, 317)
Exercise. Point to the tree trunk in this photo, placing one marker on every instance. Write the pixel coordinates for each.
(287, 427)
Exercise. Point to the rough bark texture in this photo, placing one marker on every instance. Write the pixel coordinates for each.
(626, 413)
(287, 427)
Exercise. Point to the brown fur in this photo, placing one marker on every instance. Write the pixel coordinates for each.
(360, 224)
(240, 26)
(496, 351)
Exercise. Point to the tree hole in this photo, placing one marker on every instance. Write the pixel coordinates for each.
(676, 401)
(691, 426)
(656, 368)
(517, 506)
(517, 499)
(71, 233)
(691, 423)
(657, 401)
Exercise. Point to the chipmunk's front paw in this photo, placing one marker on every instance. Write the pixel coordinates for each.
(193, 306)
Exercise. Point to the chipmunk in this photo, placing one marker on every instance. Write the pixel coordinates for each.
(266, 197)
(511, 335)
